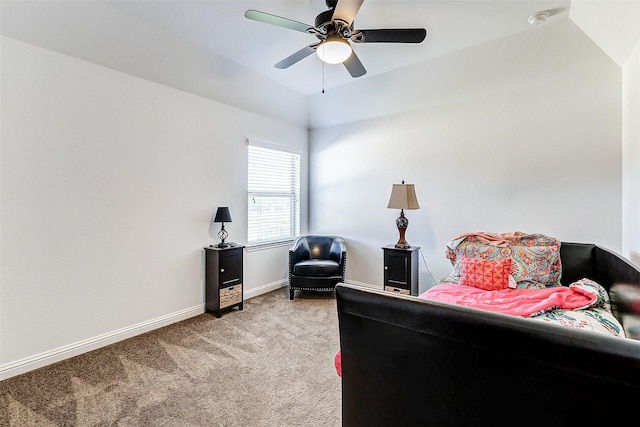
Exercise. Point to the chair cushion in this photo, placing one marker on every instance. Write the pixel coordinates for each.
(316, 268)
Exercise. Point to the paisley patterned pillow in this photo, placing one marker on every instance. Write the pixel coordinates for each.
(535, 258)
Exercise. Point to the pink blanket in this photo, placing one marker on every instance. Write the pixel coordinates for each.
(496, 239)
(517, 302)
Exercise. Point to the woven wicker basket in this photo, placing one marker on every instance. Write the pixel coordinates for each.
(231, 295)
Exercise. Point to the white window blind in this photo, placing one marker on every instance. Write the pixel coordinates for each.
(273, 195)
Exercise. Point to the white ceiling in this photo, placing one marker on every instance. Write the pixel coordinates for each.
(111, 32)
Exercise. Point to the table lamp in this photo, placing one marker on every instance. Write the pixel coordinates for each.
(403, 196)
(222, 215)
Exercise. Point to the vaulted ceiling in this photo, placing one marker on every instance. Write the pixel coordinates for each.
(122, 30)
(196, 45)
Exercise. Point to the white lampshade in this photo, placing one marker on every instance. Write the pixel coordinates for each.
(334, 50)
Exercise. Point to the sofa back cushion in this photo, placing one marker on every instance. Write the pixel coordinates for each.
(577, 262)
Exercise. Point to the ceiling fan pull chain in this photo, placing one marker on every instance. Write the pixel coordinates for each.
(322, 74)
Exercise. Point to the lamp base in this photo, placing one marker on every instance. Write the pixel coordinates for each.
(222, 235)
(402, 223)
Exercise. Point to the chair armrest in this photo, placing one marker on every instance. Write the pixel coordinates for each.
(298, 252)
(338, 250)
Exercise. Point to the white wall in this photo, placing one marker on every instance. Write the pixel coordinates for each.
(631, 156)
(615, 27)
(533, 146)
(108, 186)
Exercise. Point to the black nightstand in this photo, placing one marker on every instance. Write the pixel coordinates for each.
(401, 269)
(223, 278)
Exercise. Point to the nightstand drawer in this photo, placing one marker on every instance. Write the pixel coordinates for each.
(231, 295)
(397, 290)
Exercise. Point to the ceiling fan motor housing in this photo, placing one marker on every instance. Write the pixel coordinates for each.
(325, 23)
(323, 20)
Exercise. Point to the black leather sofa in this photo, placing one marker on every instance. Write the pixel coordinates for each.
(407, 361)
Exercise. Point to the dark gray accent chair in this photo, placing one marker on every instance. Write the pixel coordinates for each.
(316, 263)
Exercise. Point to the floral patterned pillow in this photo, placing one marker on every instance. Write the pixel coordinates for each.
(535, 258)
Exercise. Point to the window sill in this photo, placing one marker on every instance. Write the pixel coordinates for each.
(250, 247)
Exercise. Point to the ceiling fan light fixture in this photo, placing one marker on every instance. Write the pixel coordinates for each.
(334, 50)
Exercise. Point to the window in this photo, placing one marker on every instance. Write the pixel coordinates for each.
(273, 195)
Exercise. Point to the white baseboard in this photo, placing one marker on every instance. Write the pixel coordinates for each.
(368, 285)
(30, 363)
(254, 292)
(284, 283)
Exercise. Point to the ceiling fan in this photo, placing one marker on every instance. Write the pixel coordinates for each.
(334, 29)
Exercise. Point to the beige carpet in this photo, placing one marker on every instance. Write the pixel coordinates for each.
(268, 365)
